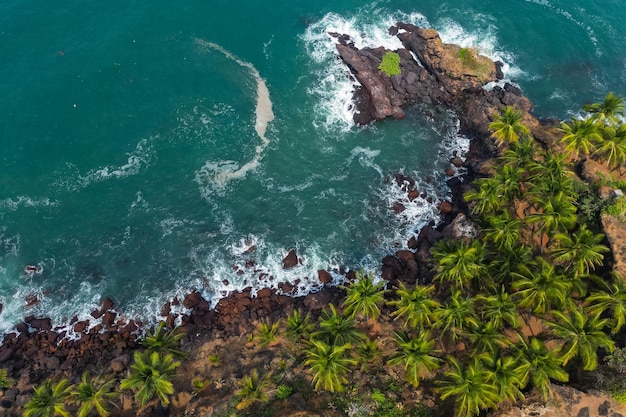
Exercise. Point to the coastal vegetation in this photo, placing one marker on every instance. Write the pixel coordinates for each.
(462, 339)
(390, 64)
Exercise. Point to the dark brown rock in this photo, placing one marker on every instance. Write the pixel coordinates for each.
(324, 276)
(317, 301)
(290, 260)
(445, 207)
(41, 324)
(80, 326)
(108, 319)
(192, 300)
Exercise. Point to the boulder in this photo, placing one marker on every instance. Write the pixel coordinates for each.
(290, 260)
(192, 300)
(324, 276)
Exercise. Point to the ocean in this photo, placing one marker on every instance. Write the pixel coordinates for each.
(150, 148)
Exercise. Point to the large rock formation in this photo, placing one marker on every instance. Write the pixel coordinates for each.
(442, 74)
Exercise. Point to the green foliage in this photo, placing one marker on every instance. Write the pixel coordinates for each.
(470, 385)
(581, 335)
(298, 326)
(416, 306)
(617, 208)
(164, 342)
(416, 355)
(579, 252)
(580, 136)
(252, 389)
(364, 297)
(198, 385)
(467, 58)
(93, 394)
(458, 263)
(456, 316)
(283, 391)
(215, 360)
(5, 380)
(329, 365)
(507, 127)
(540, 287)
(611, 298)
(540, 365)
(151, 376)
(390, 64)
(608, 111)
(267, 333)
(49, 400)
(337, 329)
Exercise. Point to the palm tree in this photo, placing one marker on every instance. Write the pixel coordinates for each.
(509, 180)
(503, 231)
(487, 195)
(613, 298)
(540, 365)
(458, 262)
(415, 354)
(164, 342)
(581, 335)
(337, 329)
(252, 389)
(613, 146)
(507, 126)
(580, 136)
(456, 316)
(520, 154)
(471, 386)
(607, 111)
(367, 352)
(508, 260)
(364, 296)
(556, 213)
(486, 338)
(416, 306)
(267, 332)
(92, 394)
(49, 400)
(549, 177)
(298, 325)
(499, 309)
(507, 374)
(580, 252)
(540, 288)
(329, 365)
(151, 376)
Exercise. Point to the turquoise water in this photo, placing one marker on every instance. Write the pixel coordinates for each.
(136, 162)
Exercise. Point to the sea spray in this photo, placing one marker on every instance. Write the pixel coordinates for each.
(228, 170)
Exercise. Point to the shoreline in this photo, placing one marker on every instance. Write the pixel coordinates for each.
(109, 345)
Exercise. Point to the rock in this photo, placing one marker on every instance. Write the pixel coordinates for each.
(413, 194)
(166, 309)
(5, 353)
(120, 363)
(80, 326)
(616, 194)
(108, 304)
(461, 228)
(109, 318)
(192, 300)
(445, 207)
(584, 412)
(449, 172)
(457, 162)
(398, 207)
(290, 260)
(318, 301)
(324, 276)
(181, 399)
(603, 409)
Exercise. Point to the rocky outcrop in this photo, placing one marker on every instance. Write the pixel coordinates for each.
(443, 74)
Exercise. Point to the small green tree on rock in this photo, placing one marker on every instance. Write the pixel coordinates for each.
(390, 64)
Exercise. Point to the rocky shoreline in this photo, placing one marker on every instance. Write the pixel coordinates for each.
(37, 350)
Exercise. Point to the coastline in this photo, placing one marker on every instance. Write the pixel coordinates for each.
(37, 350)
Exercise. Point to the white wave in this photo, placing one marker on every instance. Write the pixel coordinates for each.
(137, 160)
(12, 204)
(365, 156)
(229, 170)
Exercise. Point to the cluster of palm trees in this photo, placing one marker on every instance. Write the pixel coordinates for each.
(150, 378)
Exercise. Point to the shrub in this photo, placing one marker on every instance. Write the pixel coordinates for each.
(390, 64)
(283, 391)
